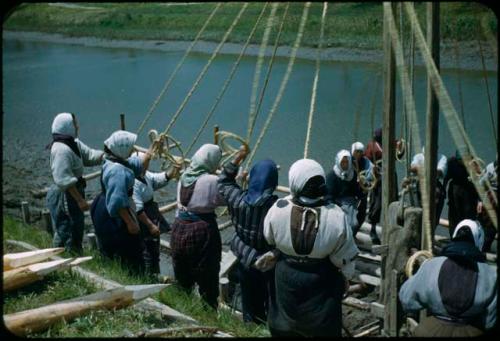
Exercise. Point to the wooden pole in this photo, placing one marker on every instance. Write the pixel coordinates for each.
(388, 135)
(39, 319)
(25, 211)
(16, 260)
(216, 135)
(432, 125)
(122, 121)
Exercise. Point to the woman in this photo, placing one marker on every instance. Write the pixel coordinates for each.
(66, 199)
(196, 243)
(317, 251)
(458, 288)
(113, 212)
(151, 221)
(361, 164)
(248, 209)
(343, 188)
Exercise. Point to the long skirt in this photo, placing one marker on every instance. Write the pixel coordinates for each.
(67, 218)
(152, 243)
(307, 300)
(434, 327)
(196, 255)
(113, 238)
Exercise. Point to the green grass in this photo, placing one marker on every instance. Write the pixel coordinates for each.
(64, 285)
(347, 24)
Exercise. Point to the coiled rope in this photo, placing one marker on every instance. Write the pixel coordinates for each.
(315, 82)
(284, 82)
(228, 80)
(177, 68)
(419, 258)
(205, 68)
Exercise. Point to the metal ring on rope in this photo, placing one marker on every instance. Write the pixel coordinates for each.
(168, 143)
(364, 183)
(419, 258)
(229, 151)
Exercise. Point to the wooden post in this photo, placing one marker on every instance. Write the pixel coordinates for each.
(395, 305)
(216, 136)
(224, 289)
(47, 221)
(122, 121)
(432, 123)
(25, 211)
(388, 155)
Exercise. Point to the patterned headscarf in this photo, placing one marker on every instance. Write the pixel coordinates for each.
(205, 160)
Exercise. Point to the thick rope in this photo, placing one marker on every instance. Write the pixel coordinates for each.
(205, 69)
(315, 82)
(284, 82)
(409, 102)
(455, 126)
(258, 67)
(228, 80)
(177, 68)
(268, 74)
(485, 76)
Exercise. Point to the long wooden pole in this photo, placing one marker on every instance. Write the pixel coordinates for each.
(432, 127)
(16, 260)
(39, 319)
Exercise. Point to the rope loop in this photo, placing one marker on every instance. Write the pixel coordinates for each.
(364, 182)
(168, 144)
(401, 150)
(477, 164)
(229, 151)
(419, 258)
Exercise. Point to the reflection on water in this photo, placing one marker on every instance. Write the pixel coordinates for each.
(43, 79)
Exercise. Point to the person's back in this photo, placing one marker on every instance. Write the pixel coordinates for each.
(248, 208)
(457, 288)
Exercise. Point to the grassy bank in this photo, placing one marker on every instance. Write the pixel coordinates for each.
(347, 24)
(64, 285)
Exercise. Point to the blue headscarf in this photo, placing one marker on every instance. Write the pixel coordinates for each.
(263, 179)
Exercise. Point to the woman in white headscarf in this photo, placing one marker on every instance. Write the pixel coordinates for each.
(113, 210)
(66, 198)
(196, 243)
(317, 254)
(458, 288)
(343, 188)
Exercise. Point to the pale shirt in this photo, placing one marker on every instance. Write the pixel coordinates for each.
(333, 240)
(490, 174)
(67, 167)
(144, 192)
(418, 161)
(206, 196)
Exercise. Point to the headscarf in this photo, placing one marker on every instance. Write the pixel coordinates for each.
(299, 174)
(205, 160)
(466, 252)
(345, 175)
(377, 135)
(357, 146)
(263, 180)
(64, 131)
(121, 143)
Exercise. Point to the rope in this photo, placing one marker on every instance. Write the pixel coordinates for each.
(459, 78)
(177, 68)
(420, 257)
(283, 82)
(315, 82)
(456, 128)
(258, 66)
(205, 69)
(228, 80)
(268, 73)
(409, 102)
(487, 89)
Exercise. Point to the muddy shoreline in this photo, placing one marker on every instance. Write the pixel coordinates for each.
(469, 51)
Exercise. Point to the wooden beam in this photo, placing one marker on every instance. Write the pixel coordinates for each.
(356, 303)
(432, 124)
(42, 192)
(36, 320)
(16, 260)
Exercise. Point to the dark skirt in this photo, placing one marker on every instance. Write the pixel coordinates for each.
(152, 243)
(113, 238)
(196, 255)
(434, 327)
(307, 300)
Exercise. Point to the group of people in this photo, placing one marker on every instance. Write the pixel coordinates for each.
(295, 254)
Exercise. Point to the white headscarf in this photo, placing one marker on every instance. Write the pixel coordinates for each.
(205, 160)
(63, 124)
(357, 146)
(345, 175)
(121, 143)
(300, 172)
(477, 231)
